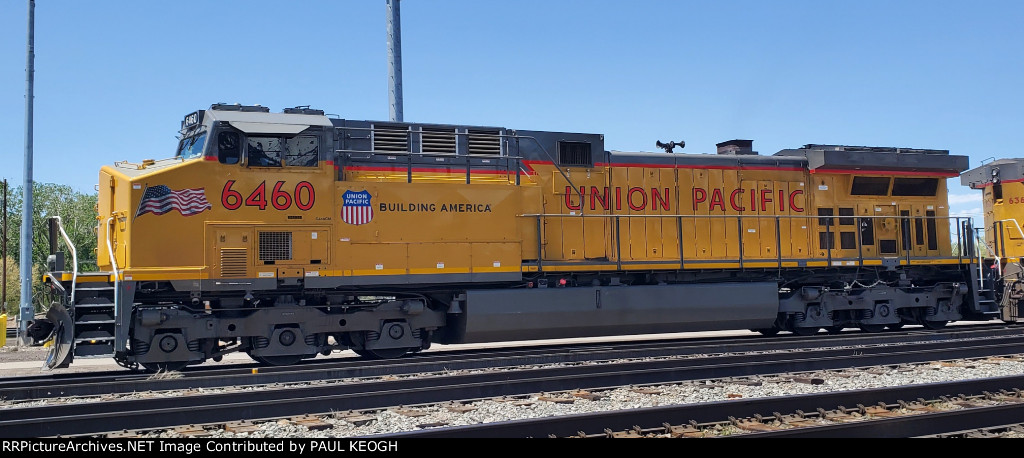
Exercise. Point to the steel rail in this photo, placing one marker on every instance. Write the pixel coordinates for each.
(268, 402)
(652, 417)
(19, 389)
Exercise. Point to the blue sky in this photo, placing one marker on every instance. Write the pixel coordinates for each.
(115, 77)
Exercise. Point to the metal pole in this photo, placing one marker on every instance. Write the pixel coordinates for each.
(394, 20)
(3, 256)
(26, 209)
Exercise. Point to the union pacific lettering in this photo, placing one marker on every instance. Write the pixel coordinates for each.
(759, 200)
(640, 199)
(636, 199)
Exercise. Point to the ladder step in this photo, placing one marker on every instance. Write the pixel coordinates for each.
(94, 339)
(93, 349)
(94, 288)
(94, 301)
(95, 318)
(97, 334)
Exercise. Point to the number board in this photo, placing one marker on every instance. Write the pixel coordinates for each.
(192, 119)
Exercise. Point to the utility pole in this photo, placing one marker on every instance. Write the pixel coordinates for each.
(394, 20)
(3, 256)
(27, 311)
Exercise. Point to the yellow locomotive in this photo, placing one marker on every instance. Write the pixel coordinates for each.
(287, 235)
(1002, 185)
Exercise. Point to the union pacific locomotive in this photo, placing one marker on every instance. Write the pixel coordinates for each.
(287, 235)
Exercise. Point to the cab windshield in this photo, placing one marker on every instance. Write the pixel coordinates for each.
(191, 147)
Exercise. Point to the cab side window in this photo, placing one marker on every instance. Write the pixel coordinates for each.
(228, 150)
(264, 151)
(302, 151)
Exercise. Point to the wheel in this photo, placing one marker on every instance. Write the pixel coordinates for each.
(170, 366)
(928, 324)
(279, 360)
(872, 327)
(805, 331)
(767, 331)
(834, 329)
(894, 327)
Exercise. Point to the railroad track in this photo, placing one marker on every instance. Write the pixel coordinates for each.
(270, 402)
(905, 411)
(106, 383)
(1013, 430)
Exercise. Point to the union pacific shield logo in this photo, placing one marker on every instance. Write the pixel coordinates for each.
(356, 208)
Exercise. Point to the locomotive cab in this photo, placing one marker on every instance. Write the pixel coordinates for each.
(265, 169)
(1002, 239)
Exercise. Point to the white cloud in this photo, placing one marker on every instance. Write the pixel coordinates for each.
(964, 198)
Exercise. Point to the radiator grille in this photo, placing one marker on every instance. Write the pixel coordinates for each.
(275, 246)
(438, 140)
(484, 142)
(390, 138)
(575, 154)
(234, 262)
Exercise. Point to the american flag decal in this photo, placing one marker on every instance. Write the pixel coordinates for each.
(161, 199)
(356, 208)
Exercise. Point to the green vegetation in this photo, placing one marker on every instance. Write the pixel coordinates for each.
(78, 214)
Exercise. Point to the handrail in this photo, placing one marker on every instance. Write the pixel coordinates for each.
(74, 256)
(1015, 223)
(467, 163)
(608, 215)
(829, 228)
(456, 134)
(113, 264)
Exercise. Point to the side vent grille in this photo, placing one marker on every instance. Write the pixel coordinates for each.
(575, 154)
(390, 138)
(437, 140)
(275, 246)
(484, 142)
(234, 262)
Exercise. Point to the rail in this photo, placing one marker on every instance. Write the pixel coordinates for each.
(743, 226)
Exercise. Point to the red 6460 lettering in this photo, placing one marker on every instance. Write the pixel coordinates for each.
(303, 196)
